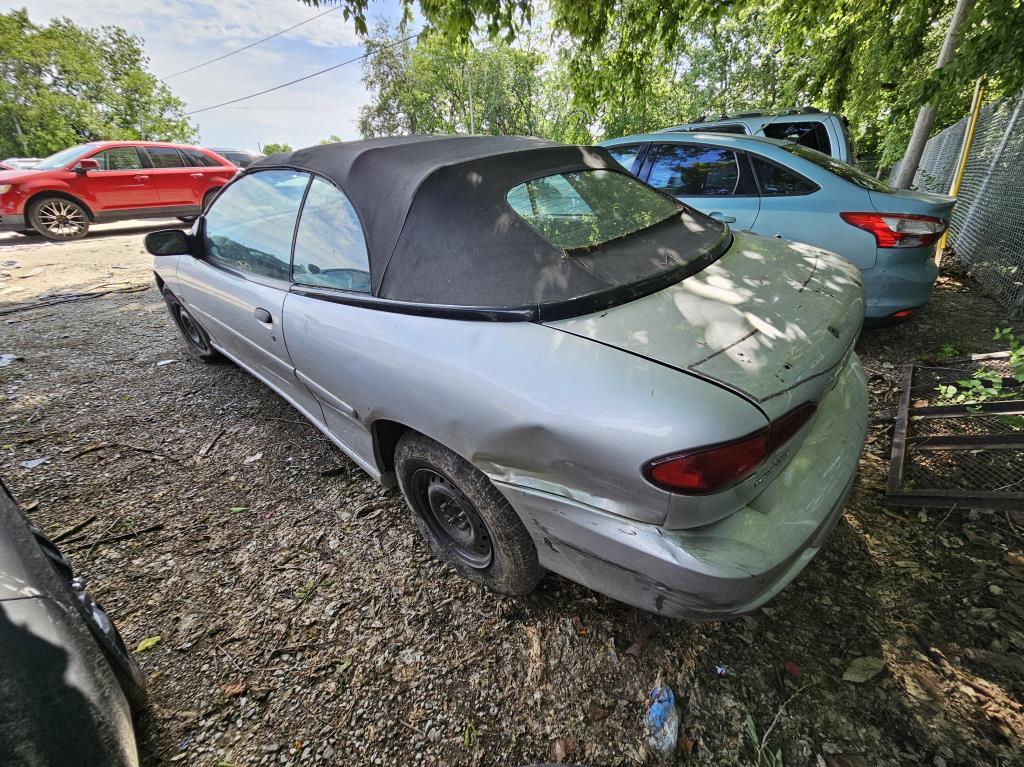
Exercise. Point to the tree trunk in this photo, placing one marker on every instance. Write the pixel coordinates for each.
(926, 117)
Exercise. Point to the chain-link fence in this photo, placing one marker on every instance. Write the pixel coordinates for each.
(987, 230)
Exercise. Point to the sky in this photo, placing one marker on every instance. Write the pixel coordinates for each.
(178, 34)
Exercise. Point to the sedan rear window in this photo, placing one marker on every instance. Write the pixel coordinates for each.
(842, 169)
(580, 209)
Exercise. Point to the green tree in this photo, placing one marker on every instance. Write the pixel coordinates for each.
(625, 60)
(276, 148)
(332, 139)
(427, 86)
(62, 84)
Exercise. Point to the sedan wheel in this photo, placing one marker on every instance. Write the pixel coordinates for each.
(196, 339)
(57, 218)
(466, 521)
(452, 518)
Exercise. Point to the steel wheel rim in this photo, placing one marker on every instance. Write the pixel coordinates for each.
(61, 218)
(452, 518)
(190, 329)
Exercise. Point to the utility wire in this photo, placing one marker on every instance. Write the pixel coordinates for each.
(306, 77)
(252, 45)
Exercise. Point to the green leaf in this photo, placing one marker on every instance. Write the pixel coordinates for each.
(862, 669)
(147, 644)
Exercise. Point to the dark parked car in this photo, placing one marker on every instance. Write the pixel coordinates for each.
(109, 181)
(68, 686)
(243, 158)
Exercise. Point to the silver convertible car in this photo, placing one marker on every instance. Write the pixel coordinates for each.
(560, 367)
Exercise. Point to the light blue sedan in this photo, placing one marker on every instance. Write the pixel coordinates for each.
(782, 189)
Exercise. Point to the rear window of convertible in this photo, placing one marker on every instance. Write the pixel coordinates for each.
(580, 209)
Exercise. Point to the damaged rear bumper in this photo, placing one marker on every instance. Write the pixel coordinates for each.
(727, 568)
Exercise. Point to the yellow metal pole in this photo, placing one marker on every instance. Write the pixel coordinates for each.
(965, 151)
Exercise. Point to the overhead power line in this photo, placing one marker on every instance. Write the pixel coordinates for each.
(306, 77)
(253, 45)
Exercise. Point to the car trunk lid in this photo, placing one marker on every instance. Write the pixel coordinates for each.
(771, 320)
(914, 202)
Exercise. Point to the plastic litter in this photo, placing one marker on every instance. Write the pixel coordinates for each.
(662, 719)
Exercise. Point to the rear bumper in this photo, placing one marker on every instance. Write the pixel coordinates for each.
(12, 222)
(727, 568)
(900, 279)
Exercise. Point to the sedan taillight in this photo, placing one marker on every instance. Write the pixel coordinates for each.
(898, 230)
(718, 467)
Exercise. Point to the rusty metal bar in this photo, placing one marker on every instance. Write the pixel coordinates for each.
(899, 434)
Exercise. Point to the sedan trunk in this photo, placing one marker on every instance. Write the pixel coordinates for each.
(914, 202)
(771, 320)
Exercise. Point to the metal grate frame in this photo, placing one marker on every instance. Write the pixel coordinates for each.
(967, 456)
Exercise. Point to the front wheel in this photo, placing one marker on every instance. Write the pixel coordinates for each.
(196, 339)
(466, 521)
(58, 218)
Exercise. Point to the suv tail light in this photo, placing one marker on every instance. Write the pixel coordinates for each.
(898, 230)
(718, 467)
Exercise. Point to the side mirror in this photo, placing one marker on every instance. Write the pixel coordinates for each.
(169, 242)
(86, 165)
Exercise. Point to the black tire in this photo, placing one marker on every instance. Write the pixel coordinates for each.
(466, 521)
(208, 197)
(197, 341)
(58, 218)
(122, 663)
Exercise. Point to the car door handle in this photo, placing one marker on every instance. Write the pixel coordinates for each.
(262, 315)
(196, 175)
(141, 178)
(718, 216)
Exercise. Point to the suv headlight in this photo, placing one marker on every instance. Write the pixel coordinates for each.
(5, 188)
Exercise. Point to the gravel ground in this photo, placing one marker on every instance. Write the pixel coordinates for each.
(302, 621)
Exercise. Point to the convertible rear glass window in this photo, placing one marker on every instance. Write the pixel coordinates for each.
(580, 209)
(844, 170)
(329, 247)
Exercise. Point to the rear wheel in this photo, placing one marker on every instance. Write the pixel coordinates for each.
(58, 218)
(466, 521)
(196, 340)
(208, 198)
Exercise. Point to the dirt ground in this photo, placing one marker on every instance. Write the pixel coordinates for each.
(302, 621)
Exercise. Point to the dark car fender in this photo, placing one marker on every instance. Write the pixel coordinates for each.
(65, 678)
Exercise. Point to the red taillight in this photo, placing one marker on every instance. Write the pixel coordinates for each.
(717, 467)
(898, 230)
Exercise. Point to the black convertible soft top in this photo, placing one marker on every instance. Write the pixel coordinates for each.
(439, 229)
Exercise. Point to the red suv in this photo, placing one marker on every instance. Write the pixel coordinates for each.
(109, 181)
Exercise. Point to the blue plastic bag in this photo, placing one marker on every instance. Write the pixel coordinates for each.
(662, 720)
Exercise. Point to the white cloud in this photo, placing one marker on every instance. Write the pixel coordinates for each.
(223, 25)
(179, 34)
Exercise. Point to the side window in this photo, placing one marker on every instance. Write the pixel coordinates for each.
(197, 159)
(691, 170)
(625, 154)
(739, 129)
(809, 134)
(330, 250)
(249, 227)
(164, 157)
(777, 181)
(118, 158)
(239, 159)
